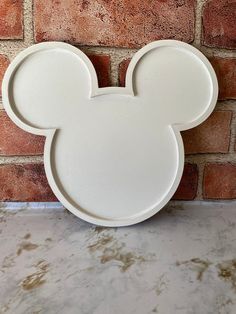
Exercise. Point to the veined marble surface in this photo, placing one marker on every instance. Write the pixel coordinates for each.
(182, 261)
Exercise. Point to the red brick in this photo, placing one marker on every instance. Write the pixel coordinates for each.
(225, 69)
(219, 20)
(219, 181)
(122, 71)
(123, 23)
(11, 15)
(212, 136)
(24, 183)
(187, 189)
(4, 62)
(102, 65)
(16, 142)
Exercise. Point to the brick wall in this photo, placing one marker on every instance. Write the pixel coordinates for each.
(110, 32)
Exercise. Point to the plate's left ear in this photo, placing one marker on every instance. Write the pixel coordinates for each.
(175, 81)
(45, 83)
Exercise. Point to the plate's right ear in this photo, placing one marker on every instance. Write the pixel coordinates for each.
(175, 81)
(44, 85)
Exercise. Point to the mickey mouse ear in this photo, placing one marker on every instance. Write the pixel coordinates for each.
(44, 84)
(176, 81)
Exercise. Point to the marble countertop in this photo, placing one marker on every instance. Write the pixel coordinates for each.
(182, 261)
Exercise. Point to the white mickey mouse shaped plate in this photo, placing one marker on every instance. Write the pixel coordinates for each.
(113, 156)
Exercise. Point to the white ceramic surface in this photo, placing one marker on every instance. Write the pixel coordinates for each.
(113, 156)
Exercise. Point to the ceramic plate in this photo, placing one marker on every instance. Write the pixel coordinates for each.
(113, 156)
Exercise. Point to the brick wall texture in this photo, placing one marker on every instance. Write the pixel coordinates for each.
(110, 32)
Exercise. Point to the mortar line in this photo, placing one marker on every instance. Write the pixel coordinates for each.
(198, 23)
(6, 160)
(201, 167)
